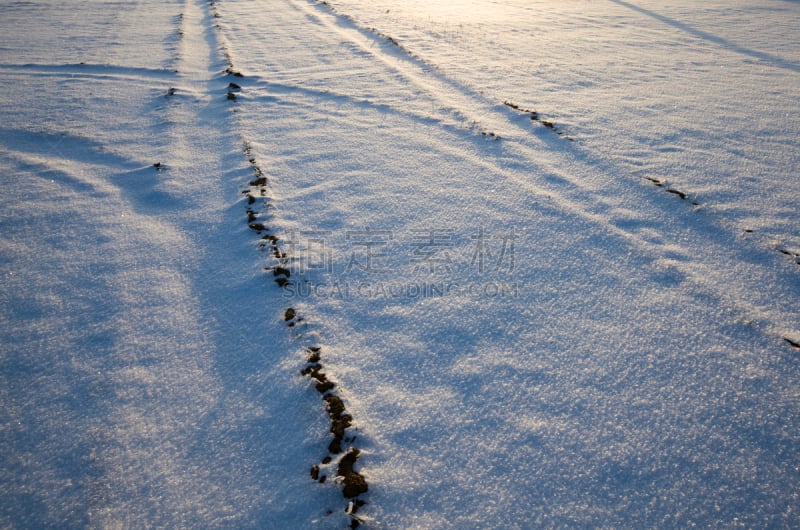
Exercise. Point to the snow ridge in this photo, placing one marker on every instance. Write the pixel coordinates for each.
(343, 453)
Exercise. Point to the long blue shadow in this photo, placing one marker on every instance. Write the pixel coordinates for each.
(774, 60)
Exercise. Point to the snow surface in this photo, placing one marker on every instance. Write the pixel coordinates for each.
(586, 325)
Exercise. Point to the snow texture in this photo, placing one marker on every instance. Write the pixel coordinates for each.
(549, 252)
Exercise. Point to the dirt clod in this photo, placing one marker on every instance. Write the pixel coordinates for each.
(339, 425)
(679, 193)
(260, 181)
(335, 406)
(324, 387)
(335, 447)
(354, 483)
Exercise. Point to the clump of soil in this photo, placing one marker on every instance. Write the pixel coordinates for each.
(354, 483)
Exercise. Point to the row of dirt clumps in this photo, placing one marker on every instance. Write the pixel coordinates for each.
(340, 462)
(536, 117)
(342, 454)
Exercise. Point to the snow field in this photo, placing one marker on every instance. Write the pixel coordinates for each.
(598, 396)
(528, 329)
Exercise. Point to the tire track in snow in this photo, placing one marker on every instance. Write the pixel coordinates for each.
(535, 116)
(155, 362)
(353, 483)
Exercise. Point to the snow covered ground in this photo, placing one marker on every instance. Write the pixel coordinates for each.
(548, 251)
